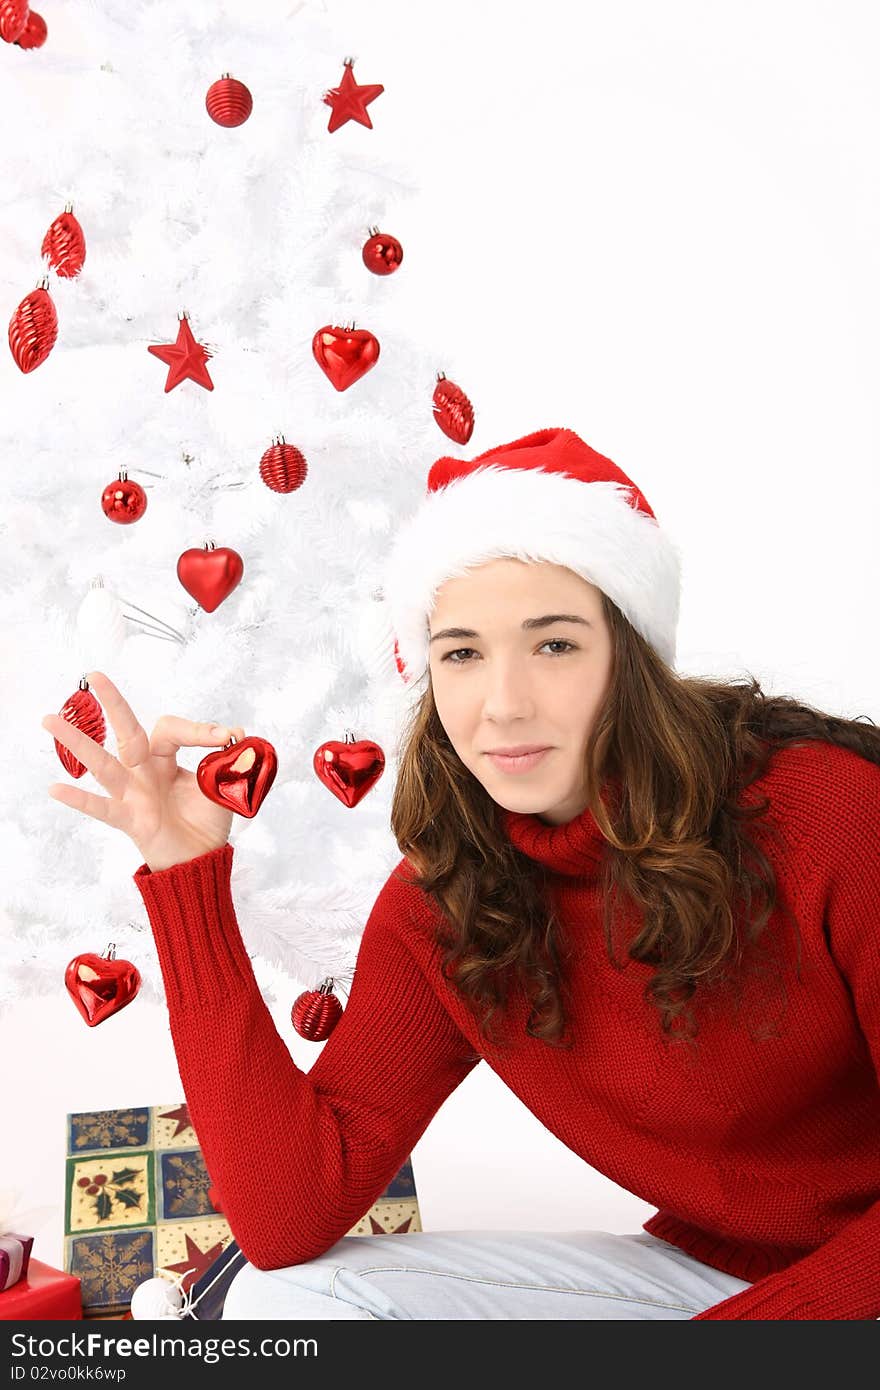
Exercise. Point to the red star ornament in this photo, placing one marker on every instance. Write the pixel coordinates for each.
(349, 100)
(181, 1119)
(196, 1262)
(184, 358)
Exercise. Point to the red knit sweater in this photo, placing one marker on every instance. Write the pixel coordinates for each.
(761, 1152)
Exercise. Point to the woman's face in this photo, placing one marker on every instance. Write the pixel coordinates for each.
(499, 684)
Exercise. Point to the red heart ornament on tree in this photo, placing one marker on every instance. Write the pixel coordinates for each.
(239, 776)
(101, 985)
(209, 574)
(345, 354)
(349, 769)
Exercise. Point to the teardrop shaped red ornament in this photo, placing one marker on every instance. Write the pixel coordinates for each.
(34, 33)
(83, 712)
(33, 329)
(13, 19)
(65, 244)
(452, 410)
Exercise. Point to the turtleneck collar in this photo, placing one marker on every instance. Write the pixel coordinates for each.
(573, 848)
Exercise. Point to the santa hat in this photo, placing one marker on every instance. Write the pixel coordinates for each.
(547, 496)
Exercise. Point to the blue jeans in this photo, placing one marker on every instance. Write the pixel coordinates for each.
(485, 1274)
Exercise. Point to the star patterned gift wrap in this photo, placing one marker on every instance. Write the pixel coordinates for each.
(395, 1212)
(138, 1205)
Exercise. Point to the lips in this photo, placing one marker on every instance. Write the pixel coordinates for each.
(524, 762)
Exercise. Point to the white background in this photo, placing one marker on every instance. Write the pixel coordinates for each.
(656, 224)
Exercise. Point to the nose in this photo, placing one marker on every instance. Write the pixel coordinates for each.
(507, 694)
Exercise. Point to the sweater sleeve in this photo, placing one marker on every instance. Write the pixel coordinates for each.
(840, 1279)
(298, 1157)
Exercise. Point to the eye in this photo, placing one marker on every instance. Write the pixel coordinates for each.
(551, 642)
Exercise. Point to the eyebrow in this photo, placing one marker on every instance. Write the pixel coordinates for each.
(528, 625)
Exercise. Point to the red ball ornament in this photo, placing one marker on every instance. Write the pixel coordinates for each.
(228, 101)
(33, 328)
(83, 712)
(13, 18)
(101, 985)
(349, 769)
(33, 35)
(316, 1012)
(123, 501)
(240, 775)
(209, 574)
(344, 354)
(65, 244)
(282, 467)
(452, 410)
(382, 254)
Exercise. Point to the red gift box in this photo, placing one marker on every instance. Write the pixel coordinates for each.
(44, 1295)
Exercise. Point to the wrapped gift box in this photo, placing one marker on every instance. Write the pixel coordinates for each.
(43, 1295)
(15, 1254)
(138, 1205)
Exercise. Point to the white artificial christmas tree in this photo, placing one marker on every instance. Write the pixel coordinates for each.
(256, 232)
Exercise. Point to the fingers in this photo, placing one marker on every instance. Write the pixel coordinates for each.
(98, 807)
(132, 744)
(101, 764)
(172, 733)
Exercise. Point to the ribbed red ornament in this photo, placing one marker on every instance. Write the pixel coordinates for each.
(452, 410)
(382, 254)
(33, 328)
(316, 1012)
(228, 101)
(13, 18)
(65, 244)
(83, 712)
(33, 35)
(283, 467)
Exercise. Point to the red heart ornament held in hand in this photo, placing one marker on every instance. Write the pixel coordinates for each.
(210, 574)
(239, 776)
(349, 769)
(101, 985)
(345, 354)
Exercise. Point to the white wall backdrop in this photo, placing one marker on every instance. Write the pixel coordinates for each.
(657, 224)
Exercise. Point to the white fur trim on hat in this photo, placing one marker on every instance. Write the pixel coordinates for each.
(533, 515)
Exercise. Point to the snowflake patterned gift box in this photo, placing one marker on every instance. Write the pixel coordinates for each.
(137, 1204)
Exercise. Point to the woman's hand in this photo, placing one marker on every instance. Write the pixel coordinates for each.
(156, 803)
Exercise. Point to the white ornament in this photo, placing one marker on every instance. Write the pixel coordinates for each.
(156, 1298)
(100, 627)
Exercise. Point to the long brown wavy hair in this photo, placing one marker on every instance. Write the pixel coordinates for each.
(679, 749)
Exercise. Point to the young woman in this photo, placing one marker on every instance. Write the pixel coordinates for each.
(661, 930)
